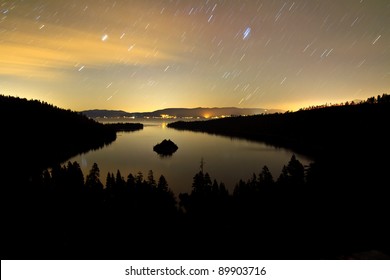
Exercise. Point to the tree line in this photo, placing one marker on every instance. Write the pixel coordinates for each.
(60, 213)
(125, 127)
(315, 132)
(384, 98)
(35, 134)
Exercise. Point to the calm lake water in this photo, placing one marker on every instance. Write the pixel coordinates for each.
(226, 160)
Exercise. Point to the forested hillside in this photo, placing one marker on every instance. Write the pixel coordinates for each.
(35, 134)
(314, 131)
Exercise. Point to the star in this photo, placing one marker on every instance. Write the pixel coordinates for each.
(246, 33)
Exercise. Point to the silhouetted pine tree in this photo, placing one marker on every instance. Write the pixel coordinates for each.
(93, 179)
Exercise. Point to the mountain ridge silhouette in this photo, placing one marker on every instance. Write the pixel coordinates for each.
(202, 112)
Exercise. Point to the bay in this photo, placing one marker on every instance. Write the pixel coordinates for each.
(226, 159)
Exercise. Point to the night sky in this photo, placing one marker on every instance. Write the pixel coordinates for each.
(144, 55)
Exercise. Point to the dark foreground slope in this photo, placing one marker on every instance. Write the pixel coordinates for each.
(62, 216)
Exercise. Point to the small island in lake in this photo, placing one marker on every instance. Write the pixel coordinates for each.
(165, 148)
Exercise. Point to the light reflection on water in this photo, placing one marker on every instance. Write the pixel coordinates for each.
(227, 160)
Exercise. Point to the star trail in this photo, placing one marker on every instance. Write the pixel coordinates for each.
(146, 55)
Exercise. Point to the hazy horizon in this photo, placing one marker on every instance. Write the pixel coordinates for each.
(169, 108)
(197, 107)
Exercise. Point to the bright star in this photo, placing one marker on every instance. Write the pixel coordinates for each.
(246, 33)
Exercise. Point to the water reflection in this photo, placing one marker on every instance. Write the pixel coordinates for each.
(225, 159)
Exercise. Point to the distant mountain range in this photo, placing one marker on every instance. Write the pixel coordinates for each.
(180, 112)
